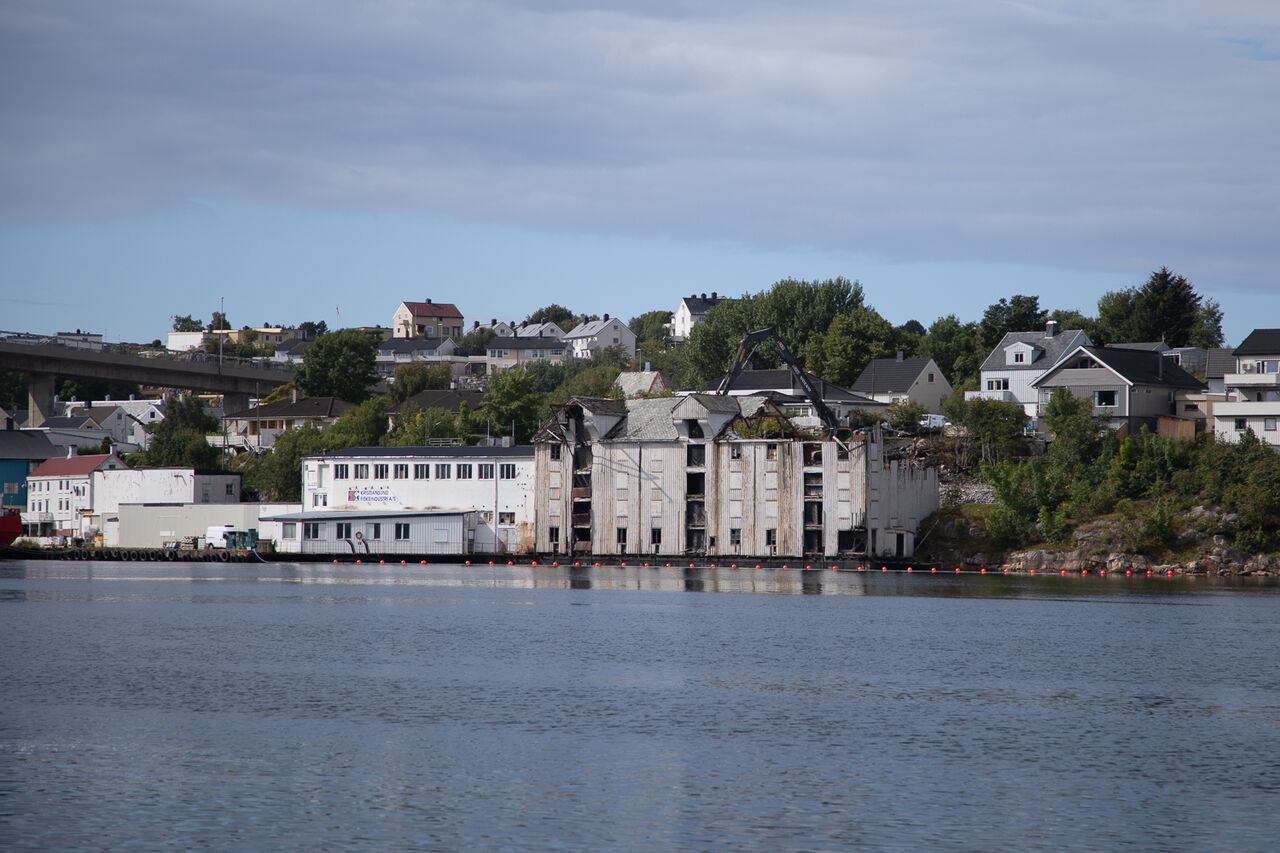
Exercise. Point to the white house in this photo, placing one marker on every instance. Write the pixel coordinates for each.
(1019, 360)
(385, 499)
(595, 336)
(60, 495)
(691, 311)
(1253, 390)
(540, 330)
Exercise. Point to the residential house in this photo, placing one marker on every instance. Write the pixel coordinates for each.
(1019, 359)
(499, 328)
(704, 474)
(540, 330)
(897, 380)
(506, 353)
(451, 400)
(1253, 390)
(76, 431)
(691, 311)
(21, 452)
(257, 427)
(291, 351)
(414, 500)
(119, 423)
(593, 337)
(427, 320)
(1131, 388)
(641, 383)
(394, 352)
(1218, 363)
(60, 494)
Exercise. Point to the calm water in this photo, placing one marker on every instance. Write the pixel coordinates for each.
(316, 707)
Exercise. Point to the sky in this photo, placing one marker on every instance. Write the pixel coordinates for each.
(328, 159)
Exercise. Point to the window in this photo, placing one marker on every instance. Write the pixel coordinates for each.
(997, 384)
(771, 536)
(553, 535)
(555, 452)
(695, 455)
(930, 377)
(771, 451)
(402, 471)
(1018, 358)
(289, 530)
(373, 530)
(421, 471)
(464, 471)
(506, 518)
(1104, 399)
(402, 530)
(341, 471)
(655, 536)
(485, 471)
(735, 451)
(1269, 424)
(362, 472)
(380, 471)
(231, 489)
(1242, 424)
(343, 529)
(507, 471)
(621, 537)
(735, 536)
(443, 470)
(310, 530)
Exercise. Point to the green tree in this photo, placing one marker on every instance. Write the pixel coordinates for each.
(1116, 318)
(312, 330)
(511, 403)
(1165, 308)
(554, 313)
(1017, 314)
(994, 427)
(849, 344)
(956, 348)
(362, 426)
(905, 415)
(219, 322)
(187, 323)
(651, 326)
(277, 475)
(179, 439)
(1069, 318)
(340, 364)
(1206, 332)
(409, 379)
(475, 342)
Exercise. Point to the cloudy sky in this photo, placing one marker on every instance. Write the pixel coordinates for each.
(326, 160)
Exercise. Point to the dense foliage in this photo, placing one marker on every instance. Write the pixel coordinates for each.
(339, 364)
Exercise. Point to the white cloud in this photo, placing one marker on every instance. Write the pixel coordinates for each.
(1076, 134)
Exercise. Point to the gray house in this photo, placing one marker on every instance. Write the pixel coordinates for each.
(896, 380)
(1019, 359)
(1131, 388)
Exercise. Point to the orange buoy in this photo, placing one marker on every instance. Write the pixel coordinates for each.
(424, 562)
(382, 562)
(984, 570)
(934, 570)
(884, 568)
(908, 568)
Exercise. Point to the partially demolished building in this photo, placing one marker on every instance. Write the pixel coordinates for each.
(722, 476)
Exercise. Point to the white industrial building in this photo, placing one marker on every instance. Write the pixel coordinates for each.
(414, 500)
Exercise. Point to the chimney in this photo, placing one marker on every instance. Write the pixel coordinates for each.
(900, 354)
(1050, 328)
(295, 395)
(493, 321)
(713, 294)
(606, 318)
(704, 296)
(428, 301)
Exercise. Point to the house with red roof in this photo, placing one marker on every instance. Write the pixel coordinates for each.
(60, 493)
(427, 320)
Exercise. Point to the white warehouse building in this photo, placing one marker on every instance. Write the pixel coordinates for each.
(414, 500)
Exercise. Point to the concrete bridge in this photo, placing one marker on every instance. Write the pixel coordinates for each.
(235, 381)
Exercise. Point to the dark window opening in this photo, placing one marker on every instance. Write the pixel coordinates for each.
(695, 483)
(695, 455)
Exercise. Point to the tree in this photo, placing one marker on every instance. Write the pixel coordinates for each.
(187, 323)
(1017, 314)
(511, 404)
(409, 379)
(851, 341)
(277, 476)
(553, 313)
(799, 311)
(905, 415)
(955, 347)
(311, 331)
(1069, 318)
(1165, 308)
(995, 426)
(179, 439)
(651, 326)
(475, 342)
(1207, 330)
(219, 322)
(363, 426)
(339, 364)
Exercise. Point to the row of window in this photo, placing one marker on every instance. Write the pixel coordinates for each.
(43, 506)
(343, 530)
(1268, 424)
(655, 536)
(422, 471)
(47, 485)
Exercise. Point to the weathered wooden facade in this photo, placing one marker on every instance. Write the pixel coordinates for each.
(718, 476)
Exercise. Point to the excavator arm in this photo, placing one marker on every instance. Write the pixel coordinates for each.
(749, 342)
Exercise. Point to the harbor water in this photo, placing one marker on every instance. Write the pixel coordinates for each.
(179, 706)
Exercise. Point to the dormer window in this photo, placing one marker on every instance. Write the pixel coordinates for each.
(1019, 357)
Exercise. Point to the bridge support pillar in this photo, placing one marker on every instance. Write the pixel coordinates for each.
(40, 398)
(234, 402)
